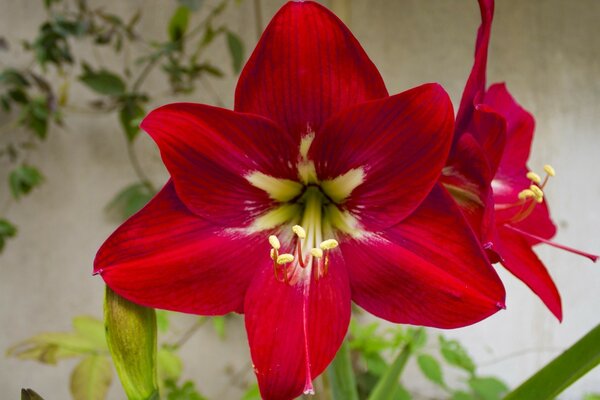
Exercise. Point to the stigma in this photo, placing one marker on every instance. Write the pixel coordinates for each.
(304, 259)
(534, 194)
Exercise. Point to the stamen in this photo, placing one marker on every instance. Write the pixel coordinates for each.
(285, 258)
(329, 244)
(532, 176)
(274, 242)
(273, 254)
(549, 170)
(316, 253)
(536, 191)
(299, 231)
(526, 194)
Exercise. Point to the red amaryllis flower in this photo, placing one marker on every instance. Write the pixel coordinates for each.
(488, 176)
(317, 190)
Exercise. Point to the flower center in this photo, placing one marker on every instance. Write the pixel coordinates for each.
(528, 198)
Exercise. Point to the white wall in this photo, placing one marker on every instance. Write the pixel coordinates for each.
(547, 51)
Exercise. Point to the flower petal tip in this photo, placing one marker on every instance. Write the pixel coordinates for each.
(501, 305)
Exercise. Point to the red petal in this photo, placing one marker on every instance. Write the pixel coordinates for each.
(521, 261)
(306, 67)
(295, 328)
(519, 130)
(489, 128)
(167, 257)
(428, 270)
(476, 83)
(400, 142)
(209, 150)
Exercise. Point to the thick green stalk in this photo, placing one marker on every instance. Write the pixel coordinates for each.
(388, 383)
(341, 375)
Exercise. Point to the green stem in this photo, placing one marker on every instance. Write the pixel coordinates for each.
(385, 388)
(341, 375)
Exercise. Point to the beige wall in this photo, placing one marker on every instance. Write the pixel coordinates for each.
(548, 51)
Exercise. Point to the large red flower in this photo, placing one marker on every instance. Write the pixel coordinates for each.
(317, 190)
(488, 176)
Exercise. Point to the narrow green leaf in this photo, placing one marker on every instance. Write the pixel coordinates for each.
(489, 388)
(456, 355)
(563, 371)
(431, 369)
(131, 337)
(341, 375)
(30, 394)
(388, 384)
(178, 23)
(103, 82)
(91, 378)
(236, 49)
(130, 116)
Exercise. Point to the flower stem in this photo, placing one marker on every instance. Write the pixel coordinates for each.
(385, 388)
(341, 375)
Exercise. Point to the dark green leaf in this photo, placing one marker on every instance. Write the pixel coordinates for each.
(179, 23)
(30, 394)
(12, 77)
(431, 369)
(130, 200)
(7, 229)
(456, 355)
(490, 388)
(561, 372)
(103, 82)
(91, 378)
(23, 179)
(236, 49)
(131, 337)
(130, 117)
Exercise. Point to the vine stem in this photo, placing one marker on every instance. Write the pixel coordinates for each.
(258, 18)
(189, 333)
(138, 168)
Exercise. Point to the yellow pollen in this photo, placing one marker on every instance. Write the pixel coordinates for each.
(526, 194)
(299, 231)
(329, 244)
(274, 242)
(549, 170)
(285, 258)
(316, 253)
(272, 253)
(532, 176)
(536, 191)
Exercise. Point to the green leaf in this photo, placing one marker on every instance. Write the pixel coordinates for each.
(431, 369)
(162, 320)
(341, 375)
(253, 393)
(131, 337)
(23, 179)
(30, 394)
(388, 384)
(193, 5)
(460, 395)
(12, 77)
(179, 23)
(130, 116)
(563, 371)
(91, 329)
(219, 325)
(187, 391)
(130, 200)
(7, 230)
(169, 365)
(91, 378)
(456, 355)
(103, 82)
(236, 49)
(488, 388)
(592, 396)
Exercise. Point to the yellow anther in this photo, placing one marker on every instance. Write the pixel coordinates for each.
(532, 176)
(526, 194)
(274, 242)
(549, 170)
(285, 258)
(329, 244)
(536, 191)
(316, 253)
(539, 199)
(299, 231)
(272, 253)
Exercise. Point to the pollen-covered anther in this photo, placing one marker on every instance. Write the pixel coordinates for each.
(285, 258)
(533, 177)
(329, 244)
(539, 194)
(299, 231)
(316, 253)
(274, 242)
(549, 170)
(526, 194)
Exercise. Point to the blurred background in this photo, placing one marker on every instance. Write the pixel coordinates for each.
(81, 164)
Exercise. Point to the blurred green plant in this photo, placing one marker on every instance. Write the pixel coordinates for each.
(36, 99)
